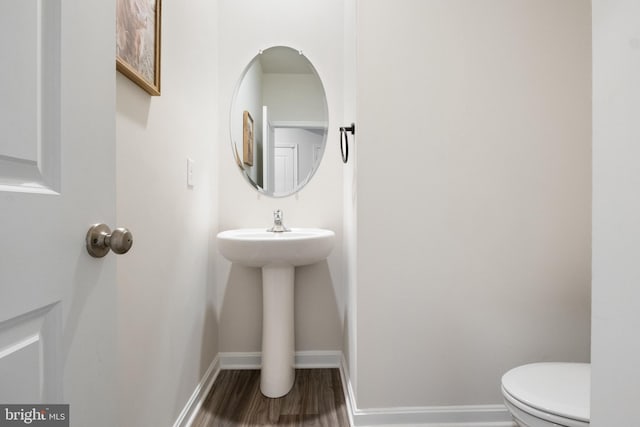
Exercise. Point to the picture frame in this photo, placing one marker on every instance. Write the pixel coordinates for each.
(247, 138)
(138, 24)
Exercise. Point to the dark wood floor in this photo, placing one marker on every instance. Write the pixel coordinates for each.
(235, 400)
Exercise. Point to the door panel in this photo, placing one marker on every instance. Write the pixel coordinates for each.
(57, 178)
(285, 166)
(30, 112)
(28, 353)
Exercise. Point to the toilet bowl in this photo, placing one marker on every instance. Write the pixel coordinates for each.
(548, 394)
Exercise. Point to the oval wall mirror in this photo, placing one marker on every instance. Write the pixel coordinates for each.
(279, 121)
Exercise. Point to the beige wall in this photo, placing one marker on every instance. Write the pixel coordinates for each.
(463, 217)
(167, 320)
(616, 230)
(350, 192)
(473, 195)
(315, 28)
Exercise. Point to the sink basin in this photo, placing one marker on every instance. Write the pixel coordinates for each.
(277, 254)
(256, 247)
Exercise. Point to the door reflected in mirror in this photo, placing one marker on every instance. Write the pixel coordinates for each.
(281, 147)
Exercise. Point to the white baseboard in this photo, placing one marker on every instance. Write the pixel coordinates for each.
(199, 394)
(450, 416)
(430, 416)
(244, 360)
(303, 360)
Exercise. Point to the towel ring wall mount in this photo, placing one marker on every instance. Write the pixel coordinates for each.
(344, 141)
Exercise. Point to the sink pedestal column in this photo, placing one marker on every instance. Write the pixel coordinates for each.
(278, 352)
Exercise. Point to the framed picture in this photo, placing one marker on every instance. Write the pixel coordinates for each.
(247, 138)
(138, 42)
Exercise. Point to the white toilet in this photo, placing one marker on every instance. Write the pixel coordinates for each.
(548, 394)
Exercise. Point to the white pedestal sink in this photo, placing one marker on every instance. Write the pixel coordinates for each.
(277, 253)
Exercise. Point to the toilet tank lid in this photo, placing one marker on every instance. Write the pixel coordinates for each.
(558, 388)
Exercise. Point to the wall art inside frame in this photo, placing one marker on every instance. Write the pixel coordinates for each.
(247, 138)
(138, 42)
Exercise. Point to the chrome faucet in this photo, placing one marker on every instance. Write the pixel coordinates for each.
(278, 226)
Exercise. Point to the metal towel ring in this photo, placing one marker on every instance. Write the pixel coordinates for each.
(344, 141)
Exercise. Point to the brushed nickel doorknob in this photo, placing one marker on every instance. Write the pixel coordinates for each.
(100, 239)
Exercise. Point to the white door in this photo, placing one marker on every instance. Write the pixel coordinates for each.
(285, 168)
(57, 143)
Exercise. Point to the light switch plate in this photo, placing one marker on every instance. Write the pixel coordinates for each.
(190, 172)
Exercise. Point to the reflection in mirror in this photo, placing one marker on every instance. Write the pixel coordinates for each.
(279, 121)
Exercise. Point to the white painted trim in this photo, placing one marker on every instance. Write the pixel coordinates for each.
(428, 416)
(240, 360)
(199, 394)
(303, 360)
(349, 395)
(318, 359)
(308, 124)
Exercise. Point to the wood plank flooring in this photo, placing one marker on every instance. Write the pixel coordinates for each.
(235, 401)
